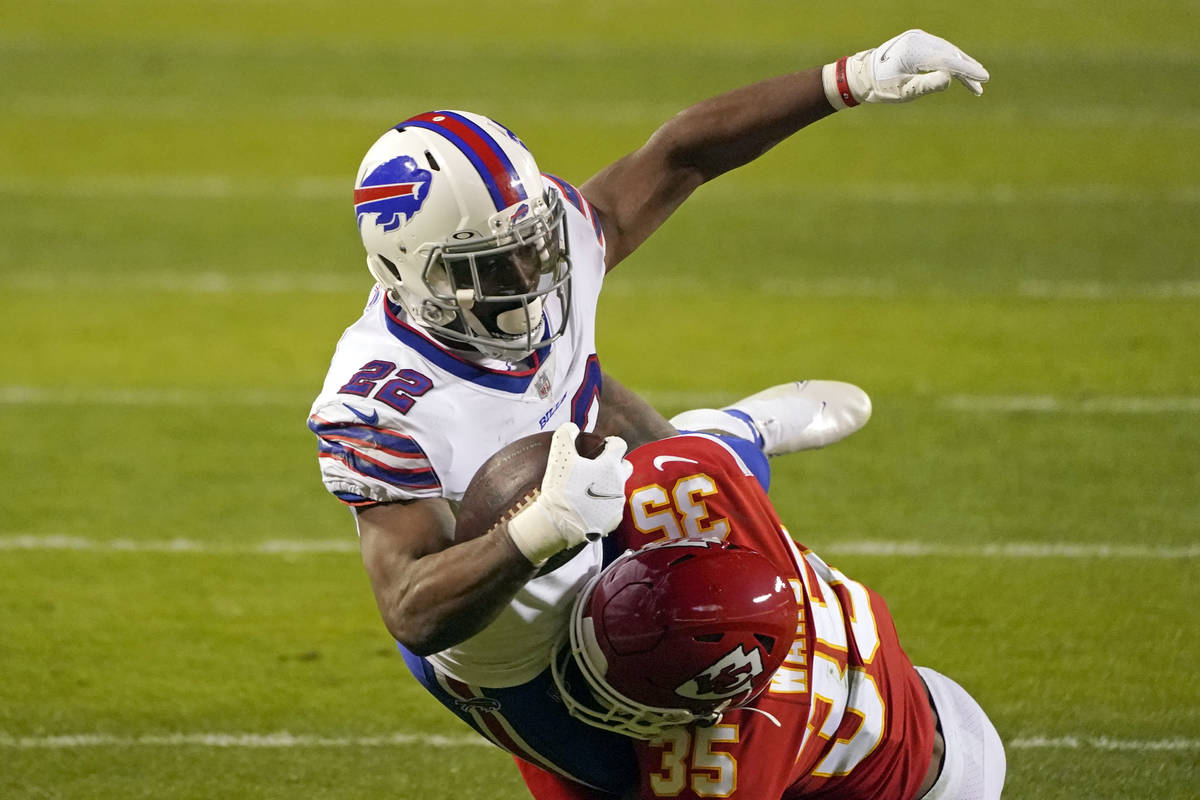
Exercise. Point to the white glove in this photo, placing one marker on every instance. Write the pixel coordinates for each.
(905, 67)
(581, 499)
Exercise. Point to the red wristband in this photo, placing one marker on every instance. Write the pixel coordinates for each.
(843, 86)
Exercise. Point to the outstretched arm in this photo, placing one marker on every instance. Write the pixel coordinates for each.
(636, 194)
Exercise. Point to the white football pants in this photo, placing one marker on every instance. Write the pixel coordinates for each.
(974, 763)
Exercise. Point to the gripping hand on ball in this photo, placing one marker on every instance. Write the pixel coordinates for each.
(581, 499)
(903, 68)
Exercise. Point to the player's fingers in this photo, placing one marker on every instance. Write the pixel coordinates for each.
(927, 83)
(975, 87)
(626, 470)
(931, 53)
(963, 67)
(614, 448)
(562, 443)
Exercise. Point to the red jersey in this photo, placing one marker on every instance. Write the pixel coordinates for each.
(854, 717)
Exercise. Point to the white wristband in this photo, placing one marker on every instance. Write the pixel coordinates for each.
(837, 86)
(533, 531)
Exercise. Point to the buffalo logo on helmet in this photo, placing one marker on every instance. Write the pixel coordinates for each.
(521, 213)
(394, 191)
(729, 676)
(484, 704)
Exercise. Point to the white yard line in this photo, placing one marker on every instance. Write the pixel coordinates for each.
(279, 740)
(1099, 290)
(11, 542)
(173, 186)
(383, 109)
(286, 740)
(966, 403)
(979, 404)
(1106, 53)
(343, 279)
(38, 542)
(1102, 743)
(1049, 404)
(1035, 551)
(199, 283)
(41, 396)
(333, 187)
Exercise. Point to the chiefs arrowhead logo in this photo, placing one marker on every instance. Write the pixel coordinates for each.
(729, 676)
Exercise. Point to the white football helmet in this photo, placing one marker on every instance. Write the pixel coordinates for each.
(462, 232)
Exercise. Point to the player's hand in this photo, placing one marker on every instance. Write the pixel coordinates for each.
(581, 499)
(903, 68)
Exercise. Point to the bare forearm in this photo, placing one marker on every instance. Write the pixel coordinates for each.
(452, 595)
(431, 594)
(636, 194)
(732, 129)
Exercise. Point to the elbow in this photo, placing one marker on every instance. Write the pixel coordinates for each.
(416, 633)
(423, 632)
(693, 143)
(703, 143)
(427, 643)
(685, 157)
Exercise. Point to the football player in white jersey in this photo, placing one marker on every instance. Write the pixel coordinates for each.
(480, 330)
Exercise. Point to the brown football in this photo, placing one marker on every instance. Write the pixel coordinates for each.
(509, 478)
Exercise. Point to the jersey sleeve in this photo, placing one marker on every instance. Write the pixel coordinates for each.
(364, 464)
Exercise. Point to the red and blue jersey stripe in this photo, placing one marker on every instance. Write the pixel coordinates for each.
(485, 154)
(395, 459)
(576, 198)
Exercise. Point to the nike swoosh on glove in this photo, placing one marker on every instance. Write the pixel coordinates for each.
(581, 499)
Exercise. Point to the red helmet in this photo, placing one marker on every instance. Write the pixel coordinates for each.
(676, 633)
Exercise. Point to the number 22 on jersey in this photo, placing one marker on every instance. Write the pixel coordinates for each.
(397, 393)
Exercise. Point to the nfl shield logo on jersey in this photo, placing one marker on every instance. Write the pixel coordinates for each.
(393, 192)
(542, 385)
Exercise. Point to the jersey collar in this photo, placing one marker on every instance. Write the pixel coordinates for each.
(514, 381)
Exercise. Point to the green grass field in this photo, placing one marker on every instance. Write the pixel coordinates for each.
(1015, 279)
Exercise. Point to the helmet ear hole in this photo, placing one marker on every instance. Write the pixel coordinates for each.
(433, 164)
(766, 641)
(390, 266)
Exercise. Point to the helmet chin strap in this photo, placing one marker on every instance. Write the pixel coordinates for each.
(516, 321)
(520, 321)
(765, 713)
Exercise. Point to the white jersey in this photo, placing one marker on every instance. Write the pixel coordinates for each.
(401, 417)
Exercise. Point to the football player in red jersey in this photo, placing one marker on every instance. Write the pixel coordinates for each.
(743, 665)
